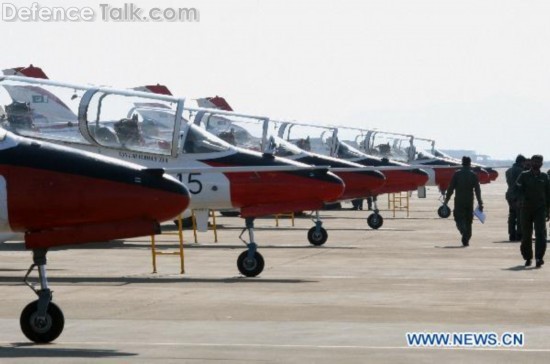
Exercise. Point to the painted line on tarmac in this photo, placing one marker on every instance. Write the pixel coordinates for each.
(283, 346)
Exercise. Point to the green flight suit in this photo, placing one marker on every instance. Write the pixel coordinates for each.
(514, 223)
(465, 183)
(534, 194)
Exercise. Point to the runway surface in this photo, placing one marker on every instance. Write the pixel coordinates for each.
(352, 300)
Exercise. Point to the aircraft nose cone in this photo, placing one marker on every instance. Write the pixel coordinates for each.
(361, 183)
(166, 197)
(419, 176)
(326, 185)
(493, 174)
(483, 175)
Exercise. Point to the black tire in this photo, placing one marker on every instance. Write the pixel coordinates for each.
(230, 213)
(250, 267)
(375, 221)
(444, 211)
(317, 238)
(46, 332)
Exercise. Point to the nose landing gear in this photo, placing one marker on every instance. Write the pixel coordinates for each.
(41, 321)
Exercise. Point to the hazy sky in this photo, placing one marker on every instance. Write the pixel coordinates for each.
(470, 74)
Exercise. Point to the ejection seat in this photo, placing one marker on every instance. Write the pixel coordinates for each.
(128, 131)
(19, 115)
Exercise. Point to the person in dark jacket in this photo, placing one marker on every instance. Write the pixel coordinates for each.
(512, 174)
(534, 196)
(465, 183)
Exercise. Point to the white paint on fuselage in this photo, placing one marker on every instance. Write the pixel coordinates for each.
(208, 190)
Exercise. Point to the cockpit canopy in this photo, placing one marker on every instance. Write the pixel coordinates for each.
(110, 118)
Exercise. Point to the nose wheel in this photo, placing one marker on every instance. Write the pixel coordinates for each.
(41, 321)
(375, 220)
(250, 266)
(317, 235)
(42, 329)
(250, 263)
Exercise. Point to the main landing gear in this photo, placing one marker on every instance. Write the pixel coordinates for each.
(317, 235)
(375, 220)
(41, 321)
(250, 262)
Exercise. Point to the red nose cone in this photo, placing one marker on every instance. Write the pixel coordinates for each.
(403, 180)
(361, 183)
(443, 176)
(493, 174)
(483, 176)
(264, 193)
(165, 201)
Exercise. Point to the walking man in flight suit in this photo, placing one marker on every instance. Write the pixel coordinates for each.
(534, 194)
(512, 174)
(464, 182)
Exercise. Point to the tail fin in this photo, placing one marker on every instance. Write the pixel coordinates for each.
(30, 71)
(156, 89)
(216, 102)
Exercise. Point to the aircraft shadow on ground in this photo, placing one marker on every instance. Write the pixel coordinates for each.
(151, 280)
(329, 229)
(28, 350)
(191, 245)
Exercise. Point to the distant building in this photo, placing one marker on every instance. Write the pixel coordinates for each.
(479, 158)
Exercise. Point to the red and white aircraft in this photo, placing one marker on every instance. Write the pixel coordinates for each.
(298, 141)
(254, 132)
(493, 174)
(58, 196)
(400, 177)
(402, 147)
(151, 129)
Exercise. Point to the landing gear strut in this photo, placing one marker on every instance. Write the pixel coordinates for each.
(375, 220)
(317, 235)
(41, 320)
(250, 262)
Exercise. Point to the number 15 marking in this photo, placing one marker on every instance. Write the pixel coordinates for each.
(197, 185)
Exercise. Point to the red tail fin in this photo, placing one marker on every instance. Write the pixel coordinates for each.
(30, 71)
(216, 102)
(156, 89)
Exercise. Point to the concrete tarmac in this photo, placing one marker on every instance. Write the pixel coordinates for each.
(352, 300)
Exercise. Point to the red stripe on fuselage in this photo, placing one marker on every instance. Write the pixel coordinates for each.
(264, 193)
(401, 181)
(41, 199)
(359, 184)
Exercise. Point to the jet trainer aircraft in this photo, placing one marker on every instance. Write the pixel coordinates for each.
(254, 132)
(151, 130)
(58, 196)
(400, 177)
(402, 147)
(493, 174)
(294, 140)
